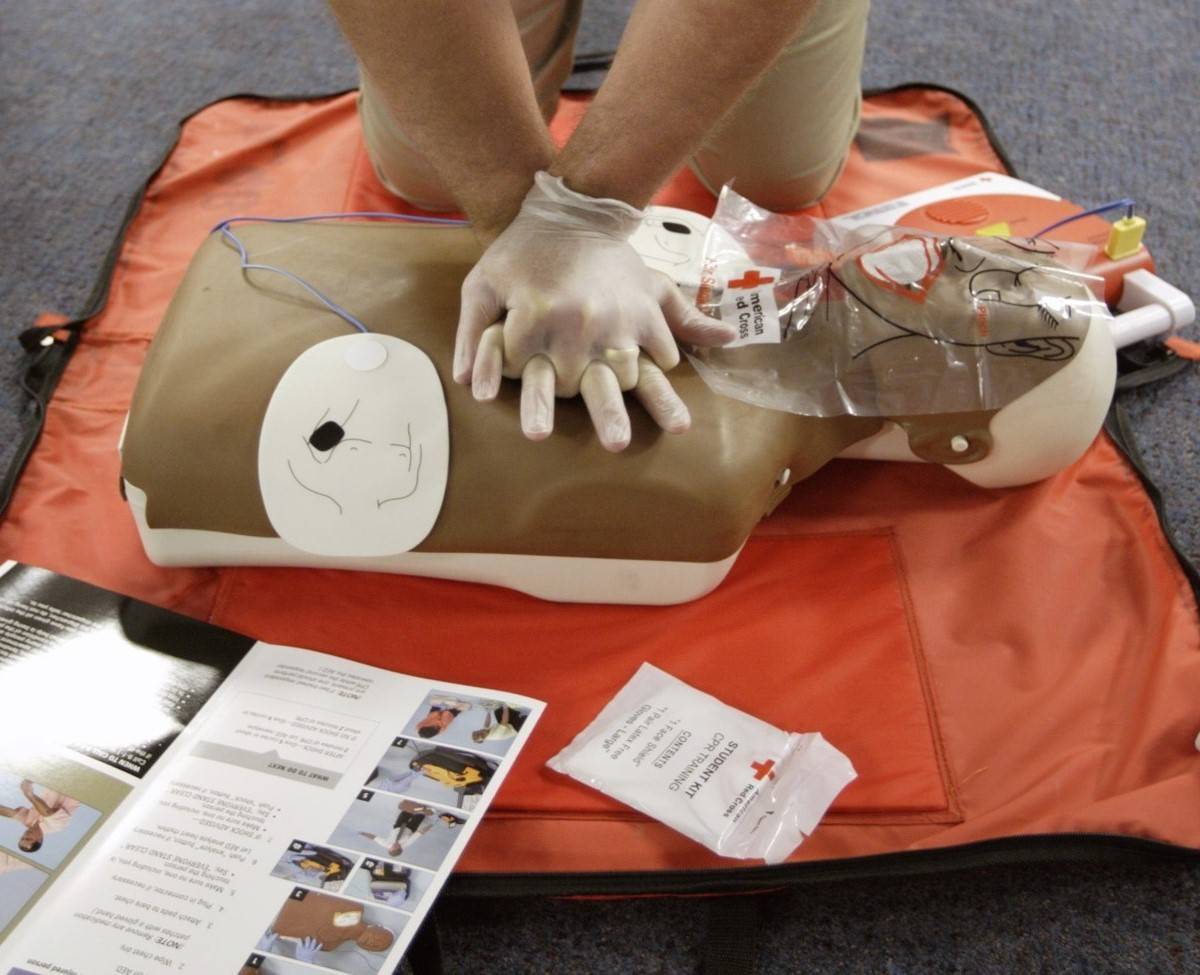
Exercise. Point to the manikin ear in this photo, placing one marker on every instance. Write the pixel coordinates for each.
(1048, 428)
(375, 938)
(1036, 435)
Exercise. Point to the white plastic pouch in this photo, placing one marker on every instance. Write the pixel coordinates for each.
(739, 786)
(886, 321)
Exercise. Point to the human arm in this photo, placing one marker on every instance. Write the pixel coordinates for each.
(579, 299)
(577, 304)
(455, 77)
(38, 803)
(681, 66)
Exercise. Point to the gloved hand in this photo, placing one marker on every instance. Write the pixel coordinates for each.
(563, 302)
(308, 949)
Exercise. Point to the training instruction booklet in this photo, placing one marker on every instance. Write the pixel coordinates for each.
(177, 798)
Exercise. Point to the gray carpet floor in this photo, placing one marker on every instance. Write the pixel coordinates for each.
(1092, 100)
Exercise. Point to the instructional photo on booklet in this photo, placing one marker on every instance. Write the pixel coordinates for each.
(481, 724)
(315, 865)
(20, 882)
(333, 932)
(41, 823)
(391, 884)
(449, 776)
(400, 828)
(50, 808)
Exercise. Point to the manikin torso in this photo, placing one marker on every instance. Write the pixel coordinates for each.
(265, 431)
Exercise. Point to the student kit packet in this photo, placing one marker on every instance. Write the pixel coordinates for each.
(741, 787)
(218, 804)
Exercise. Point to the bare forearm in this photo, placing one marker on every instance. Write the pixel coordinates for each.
(39, 805)
(454, 76)
(681, 65)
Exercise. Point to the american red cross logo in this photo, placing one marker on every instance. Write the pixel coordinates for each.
(762, 770)
(751, 279)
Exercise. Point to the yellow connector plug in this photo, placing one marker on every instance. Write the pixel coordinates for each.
(1125, 237)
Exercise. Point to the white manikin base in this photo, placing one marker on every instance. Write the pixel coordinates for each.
(556, 578)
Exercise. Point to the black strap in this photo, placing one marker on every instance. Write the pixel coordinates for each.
(731, 943)
(1144, 363)
(425, 953)
(49, 350)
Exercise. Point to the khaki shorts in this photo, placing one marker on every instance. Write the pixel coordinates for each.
(785, 142)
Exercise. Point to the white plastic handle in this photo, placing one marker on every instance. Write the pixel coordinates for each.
(1149, 306)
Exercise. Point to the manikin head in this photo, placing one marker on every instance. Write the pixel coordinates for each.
(892, 323)
(1006, 297)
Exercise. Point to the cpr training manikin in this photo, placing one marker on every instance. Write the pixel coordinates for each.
(265, 431)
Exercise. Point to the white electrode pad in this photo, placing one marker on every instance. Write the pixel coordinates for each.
(736, 784)
(672, 241)
(354, 452)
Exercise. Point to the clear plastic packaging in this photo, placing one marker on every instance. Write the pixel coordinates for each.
(741, 787)
(886, 321)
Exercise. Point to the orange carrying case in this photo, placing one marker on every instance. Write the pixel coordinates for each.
(1014, 673)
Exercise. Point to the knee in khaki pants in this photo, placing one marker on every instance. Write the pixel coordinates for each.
(547, 30)
(786, 141)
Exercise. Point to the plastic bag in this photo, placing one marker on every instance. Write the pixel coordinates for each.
(886, 321)
(736, 784)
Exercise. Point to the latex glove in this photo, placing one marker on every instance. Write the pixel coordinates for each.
(308, 949)
(563, 302)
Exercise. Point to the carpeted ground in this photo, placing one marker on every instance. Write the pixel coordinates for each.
(1095, 101)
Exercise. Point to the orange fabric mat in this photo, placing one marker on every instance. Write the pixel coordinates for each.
(995, 663)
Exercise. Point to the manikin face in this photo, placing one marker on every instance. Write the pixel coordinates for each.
(957, 323)
(994, 295)
(354, 451)
(900, 323)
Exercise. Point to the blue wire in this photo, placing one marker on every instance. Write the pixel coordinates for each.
(337, 309)
(1127, 203)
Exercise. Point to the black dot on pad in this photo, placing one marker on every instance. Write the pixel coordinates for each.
(327, 436)
(676, 228)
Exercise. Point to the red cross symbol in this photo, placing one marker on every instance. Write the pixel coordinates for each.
(751, 279)
(762, 770)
